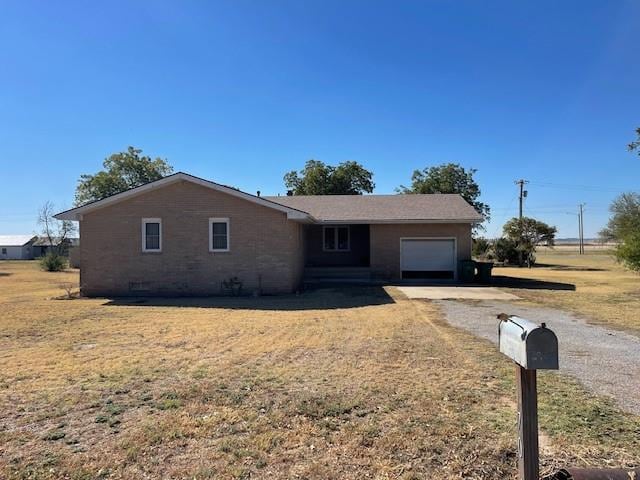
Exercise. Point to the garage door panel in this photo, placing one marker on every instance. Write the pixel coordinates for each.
(427, 255)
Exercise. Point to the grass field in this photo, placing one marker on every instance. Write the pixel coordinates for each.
(593, 285)
(359, 383)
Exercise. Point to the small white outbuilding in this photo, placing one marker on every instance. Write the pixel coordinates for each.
(16, 247)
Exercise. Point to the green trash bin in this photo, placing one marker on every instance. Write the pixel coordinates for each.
(484, 271)
(468, 271)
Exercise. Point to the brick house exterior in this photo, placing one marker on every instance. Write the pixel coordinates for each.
(385, 243)
(267, 242)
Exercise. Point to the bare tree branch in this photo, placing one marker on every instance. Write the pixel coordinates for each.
(56, 231)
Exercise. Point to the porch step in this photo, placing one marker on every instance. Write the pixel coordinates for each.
(337, 273)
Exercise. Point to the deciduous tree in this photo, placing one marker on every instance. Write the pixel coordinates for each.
(122, 171)
(625, 217)
(57, 232)
(530, 231)
(448, 178)
(624, 227)
(317, 178)
(635, 145)
(527, 233)
(628, 251)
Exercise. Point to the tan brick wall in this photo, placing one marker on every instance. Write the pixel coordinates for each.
(74, 257)
(265, 247)
(385, 243)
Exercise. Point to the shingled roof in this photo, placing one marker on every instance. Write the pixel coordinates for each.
(432, 208)
(383, 208)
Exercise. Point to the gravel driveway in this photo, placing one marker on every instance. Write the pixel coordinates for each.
(605, 361)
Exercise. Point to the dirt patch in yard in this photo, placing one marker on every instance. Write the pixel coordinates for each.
(359, 389)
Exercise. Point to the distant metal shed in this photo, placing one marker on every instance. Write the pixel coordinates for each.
(16, 247)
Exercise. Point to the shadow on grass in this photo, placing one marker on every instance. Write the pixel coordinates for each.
(569, 268)
(317, 299)
(529, 283)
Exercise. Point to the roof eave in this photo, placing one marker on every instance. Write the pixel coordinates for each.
(75, 214)
(68, 215)
(400, 221)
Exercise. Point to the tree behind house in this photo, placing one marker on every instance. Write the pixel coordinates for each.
(448, 178)
(122, 171)
(317, 178)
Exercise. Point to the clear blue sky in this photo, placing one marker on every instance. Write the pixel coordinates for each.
(242, 91)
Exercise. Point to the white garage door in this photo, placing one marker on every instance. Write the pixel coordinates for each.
(427, 258)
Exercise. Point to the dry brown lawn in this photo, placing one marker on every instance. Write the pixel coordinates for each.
(592, 285)
(332, 384)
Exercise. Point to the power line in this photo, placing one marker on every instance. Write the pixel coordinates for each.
(504, 216)
(559, 206)
(560, 210)
(594, 188)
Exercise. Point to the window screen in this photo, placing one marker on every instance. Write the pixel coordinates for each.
(152, 236)
(219, 234)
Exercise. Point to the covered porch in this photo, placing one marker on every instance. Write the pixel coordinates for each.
(337, 254)
(330, 246)
(360, 253)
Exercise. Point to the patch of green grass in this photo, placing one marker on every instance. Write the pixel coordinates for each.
(54, 435)
(113, 409)
(102, 419)
(205, 472)
(319, 407)
(169, 401)
(200, 373)
(168, 404)
(569, 412)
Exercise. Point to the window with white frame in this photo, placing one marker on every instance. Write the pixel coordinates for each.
(335, 239)
(151, 235)
(219, 235)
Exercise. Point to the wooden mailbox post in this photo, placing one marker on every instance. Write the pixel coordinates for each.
(532, 347)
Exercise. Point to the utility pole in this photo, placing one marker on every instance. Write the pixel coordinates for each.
(579, 229)
(581, 226)
(523, 193)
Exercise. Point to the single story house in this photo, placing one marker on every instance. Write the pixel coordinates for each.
(183, 235)
(16, 247)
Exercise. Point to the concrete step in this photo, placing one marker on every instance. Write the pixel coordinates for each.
(317, 273)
